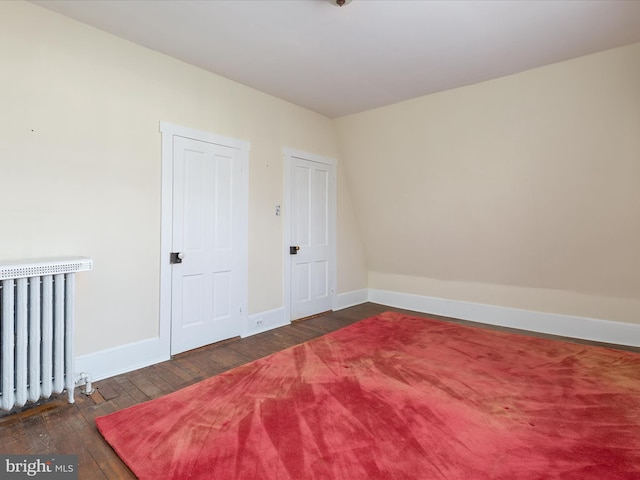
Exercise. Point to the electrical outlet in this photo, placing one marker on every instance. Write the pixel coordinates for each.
(259, 322)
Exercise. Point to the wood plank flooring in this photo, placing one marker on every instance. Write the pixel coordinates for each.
(55, 426)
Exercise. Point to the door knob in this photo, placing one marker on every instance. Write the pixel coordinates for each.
(175, 257)
(294, 250)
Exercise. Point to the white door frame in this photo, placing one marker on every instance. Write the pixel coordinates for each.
(289, 154)
(168, 131)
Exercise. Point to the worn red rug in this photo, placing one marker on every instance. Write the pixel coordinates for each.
(397, 397)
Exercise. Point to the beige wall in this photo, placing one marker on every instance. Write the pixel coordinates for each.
(521, 192)
(80, 165)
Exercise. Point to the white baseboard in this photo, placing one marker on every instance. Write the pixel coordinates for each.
(123, 359)
(263, 321)
(594, 329)
(351, 299)
(126, 358)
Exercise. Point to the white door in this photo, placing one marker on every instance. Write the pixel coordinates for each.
(206, 281)
(311, 249)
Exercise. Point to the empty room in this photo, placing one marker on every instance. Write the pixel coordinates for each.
(320, 239)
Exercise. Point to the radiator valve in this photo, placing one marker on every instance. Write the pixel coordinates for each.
(84, 382)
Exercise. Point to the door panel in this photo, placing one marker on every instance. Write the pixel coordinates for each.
(192, 300)
(302, 290)
(206, 294)
(322, 279)
(320, 207)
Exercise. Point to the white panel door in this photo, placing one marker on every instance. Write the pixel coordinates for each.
(206, 284)
(311, 260)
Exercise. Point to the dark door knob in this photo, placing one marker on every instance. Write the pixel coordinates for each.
(176, 257)
(294, 250)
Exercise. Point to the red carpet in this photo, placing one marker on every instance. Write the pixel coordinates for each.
(397, 397)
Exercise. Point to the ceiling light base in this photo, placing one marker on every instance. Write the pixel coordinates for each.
(339, 3)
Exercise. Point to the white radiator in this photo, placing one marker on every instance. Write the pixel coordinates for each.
(36, 329)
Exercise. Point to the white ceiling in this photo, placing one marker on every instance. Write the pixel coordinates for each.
(369, 53)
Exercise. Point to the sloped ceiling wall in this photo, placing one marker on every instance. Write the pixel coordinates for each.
(522, 191)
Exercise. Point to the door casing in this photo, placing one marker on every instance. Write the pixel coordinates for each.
(168, 131)
(289, 154)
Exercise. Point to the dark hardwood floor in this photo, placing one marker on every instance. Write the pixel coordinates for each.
(54, 426)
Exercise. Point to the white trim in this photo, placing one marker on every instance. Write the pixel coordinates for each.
(166, 237)
(186, 132)
(286, 234)
(334, 233)
(313, 157)
(599, 330)
(289, 154)
(168, 131)
(269, 320)
(44, 266)
(122, 359)
(126, 358)
(351, 299)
